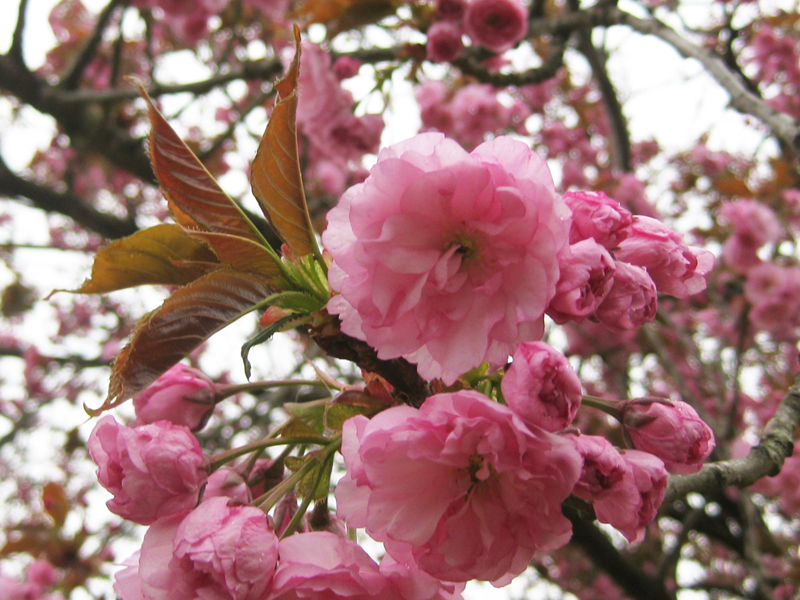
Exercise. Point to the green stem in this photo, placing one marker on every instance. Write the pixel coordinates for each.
(290, 528)
(610, 407)
(228, 455)
(226, 391)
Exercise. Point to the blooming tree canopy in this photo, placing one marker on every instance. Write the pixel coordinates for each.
(515, 344)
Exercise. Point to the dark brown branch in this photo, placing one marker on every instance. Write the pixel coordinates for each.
(764, 460)
(620, 138)
(398, 371)
(594, 543)
(470, 66)
(47, 199)
(15, 51)
(260, 70)
(73, 76)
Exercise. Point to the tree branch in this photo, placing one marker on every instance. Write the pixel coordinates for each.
(743, 100)
(763, 460)
(596, 545)
(73, 76)
(15, 51)
(47, 199)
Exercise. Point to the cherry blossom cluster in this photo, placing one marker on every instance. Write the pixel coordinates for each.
(496, 25)
(336, 139)
(40, 577)
(451, 260)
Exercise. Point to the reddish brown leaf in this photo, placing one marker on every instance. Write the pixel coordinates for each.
(55, 502)
(241, 254)
(185, 320)
(163, 254)
(189, 186)
(275, 172)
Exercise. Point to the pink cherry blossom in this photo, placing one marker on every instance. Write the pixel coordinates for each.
(477, 111)
(406, 577)
(496, 24)
(631, 513)
(669, 429)
(447, 258)
(596, 216)
(587, 276)
(182, 395)
(632, 300)
(323, 566)
(774, 292)
(675, 268)
(218, 551)
(461, 483)
(541, 386)
(444, 41)
(754, 225)
(153, 470)
(336, 137)
(625, 488)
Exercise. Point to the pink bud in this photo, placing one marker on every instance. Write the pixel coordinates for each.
(496, 24)
(586, 277)
(346, 67)
(595, 215)
(444, 42)
(677, 269)
(153, 471)
(219, 550)
(542, 387)
(182, 395)
(632, 300)
(671, 430)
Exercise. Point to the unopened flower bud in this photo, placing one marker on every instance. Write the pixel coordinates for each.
(671, 430)
(182, 395)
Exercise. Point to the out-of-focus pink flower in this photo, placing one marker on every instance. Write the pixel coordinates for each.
(336, 137)
(541, 387)
(323, 566)
(587, 275)
(596, 216)
(42, 573)
(451, 10)
(182, 395)
(632, 300)
(754, 225)
(496, 24)
(774, 291)
(477, 111)
(444, 41)
(461, 483)
(433, 99)
(219, 551)
(675, 268)
(153, 470)
(670, 430)
(447, 258)
(346, 67)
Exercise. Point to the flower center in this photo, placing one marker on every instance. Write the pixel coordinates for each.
(467, 247)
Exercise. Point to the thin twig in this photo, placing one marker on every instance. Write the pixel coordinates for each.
(73, 76)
